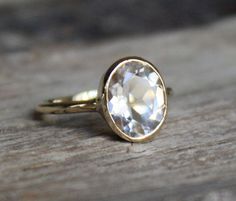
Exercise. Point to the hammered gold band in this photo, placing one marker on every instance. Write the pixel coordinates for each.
(82, 102)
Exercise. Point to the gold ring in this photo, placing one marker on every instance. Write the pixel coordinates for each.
(132, 98)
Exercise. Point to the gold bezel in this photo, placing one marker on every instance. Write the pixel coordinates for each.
(102, 101)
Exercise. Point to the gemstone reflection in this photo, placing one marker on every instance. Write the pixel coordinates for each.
(136, 100)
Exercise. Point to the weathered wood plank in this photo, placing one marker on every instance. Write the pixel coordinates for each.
(77, 157)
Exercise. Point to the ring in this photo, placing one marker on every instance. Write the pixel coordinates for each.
(132, 98)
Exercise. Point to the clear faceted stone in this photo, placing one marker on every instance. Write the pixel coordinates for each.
(136, 99)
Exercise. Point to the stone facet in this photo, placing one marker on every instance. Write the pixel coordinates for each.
(136, 99)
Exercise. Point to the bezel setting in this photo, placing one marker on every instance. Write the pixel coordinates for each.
(103, 99)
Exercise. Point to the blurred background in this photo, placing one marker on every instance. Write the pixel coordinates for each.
(51, 48)
(28, 23)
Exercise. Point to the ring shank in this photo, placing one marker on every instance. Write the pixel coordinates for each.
(82, 102)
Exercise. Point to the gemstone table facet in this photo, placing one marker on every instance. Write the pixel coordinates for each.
(136, 99)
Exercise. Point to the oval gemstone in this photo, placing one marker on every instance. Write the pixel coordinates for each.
(136, 99)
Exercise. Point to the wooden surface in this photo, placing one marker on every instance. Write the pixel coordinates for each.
(77, 157)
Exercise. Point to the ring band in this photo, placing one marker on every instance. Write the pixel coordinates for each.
(132, 98)
(82, 102)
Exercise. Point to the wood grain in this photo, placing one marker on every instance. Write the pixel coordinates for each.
(77, 157)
